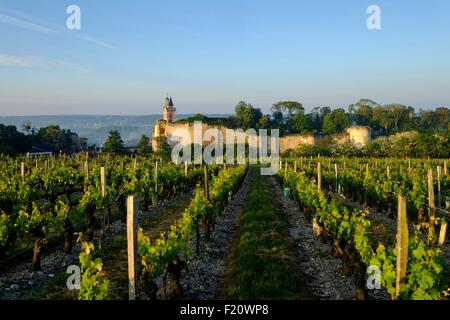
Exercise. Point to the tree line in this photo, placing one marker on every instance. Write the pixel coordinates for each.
(57, 140)
(397, 130)
(290, 117)
(51, 138)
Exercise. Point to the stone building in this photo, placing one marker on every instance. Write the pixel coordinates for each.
(169, 111)
(359, 135)
(168, 129)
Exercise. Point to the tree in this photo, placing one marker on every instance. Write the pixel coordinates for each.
(264, 122)
(248, 116)
(316, 116)
(289, 107)
(398, 113)
(288, 110)
(336, 121)
(143, 147)
(362, 111)
(60, 140)
(164, 151)
(198, 117)
(12, 141)
(381, 118)
(300, 123)
(114, 143)
(442, 119)
(277, 122)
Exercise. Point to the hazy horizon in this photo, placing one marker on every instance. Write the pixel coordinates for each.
(96, 127)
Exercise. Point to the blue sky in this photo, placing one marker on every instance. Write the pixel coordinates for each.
(210, 54)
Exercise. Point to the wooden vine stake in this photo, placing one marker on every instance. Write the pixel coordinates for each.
(445, 167)
(132, 223)
(86, 169)
(315, 224)
(336, 175)
(295, 166)
(155, 197)
(443, 233)
(431, 204)
(319, 177)
(103, 180)
(22, 170)
(206, 181)
(439, 185)
(185, 168)
(103, 190)
(402, 244)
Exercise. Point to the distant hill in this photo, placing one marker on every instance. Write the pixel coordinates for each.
(96, 127)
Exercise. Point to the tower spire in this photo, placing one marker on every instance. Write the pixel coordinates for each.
(169, 110)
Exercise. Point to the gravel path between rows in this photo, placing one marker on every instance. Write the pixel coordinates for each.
(321, 270)
(205, 273)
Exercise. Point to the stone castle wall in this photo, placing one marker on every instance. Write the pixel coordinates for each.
(359, 135)
(183, 132)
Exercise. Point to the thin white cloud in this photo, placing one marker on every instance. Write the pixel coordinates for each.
(17, 61)
(25, 21)
(6, 19)
(8, 60)
(97, 42)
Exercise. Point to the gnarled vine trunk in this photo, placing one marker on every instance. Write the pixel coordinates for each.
(37, 250)
(90, 217)
(174, 269)
(68, 235)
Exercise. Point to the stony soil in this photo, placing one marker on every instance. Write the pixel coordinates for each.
(322, 271)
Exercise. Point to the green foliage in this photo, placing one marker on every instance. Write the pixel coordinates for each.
(143, 147)
(336, 121)
(114, 143)
(424, 272)
(261, 269)
(164, 151)
(5, 225)
(94, 284)
(247, 115)
(59, 139)
(157, 255)
(411, 144)
(423, 278)
(300, 123)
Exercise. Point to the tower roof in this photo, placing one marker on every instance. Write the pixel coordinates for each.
(168, 102)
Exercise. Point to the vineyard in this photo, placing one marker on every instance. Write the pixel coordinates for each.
(140, 228)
